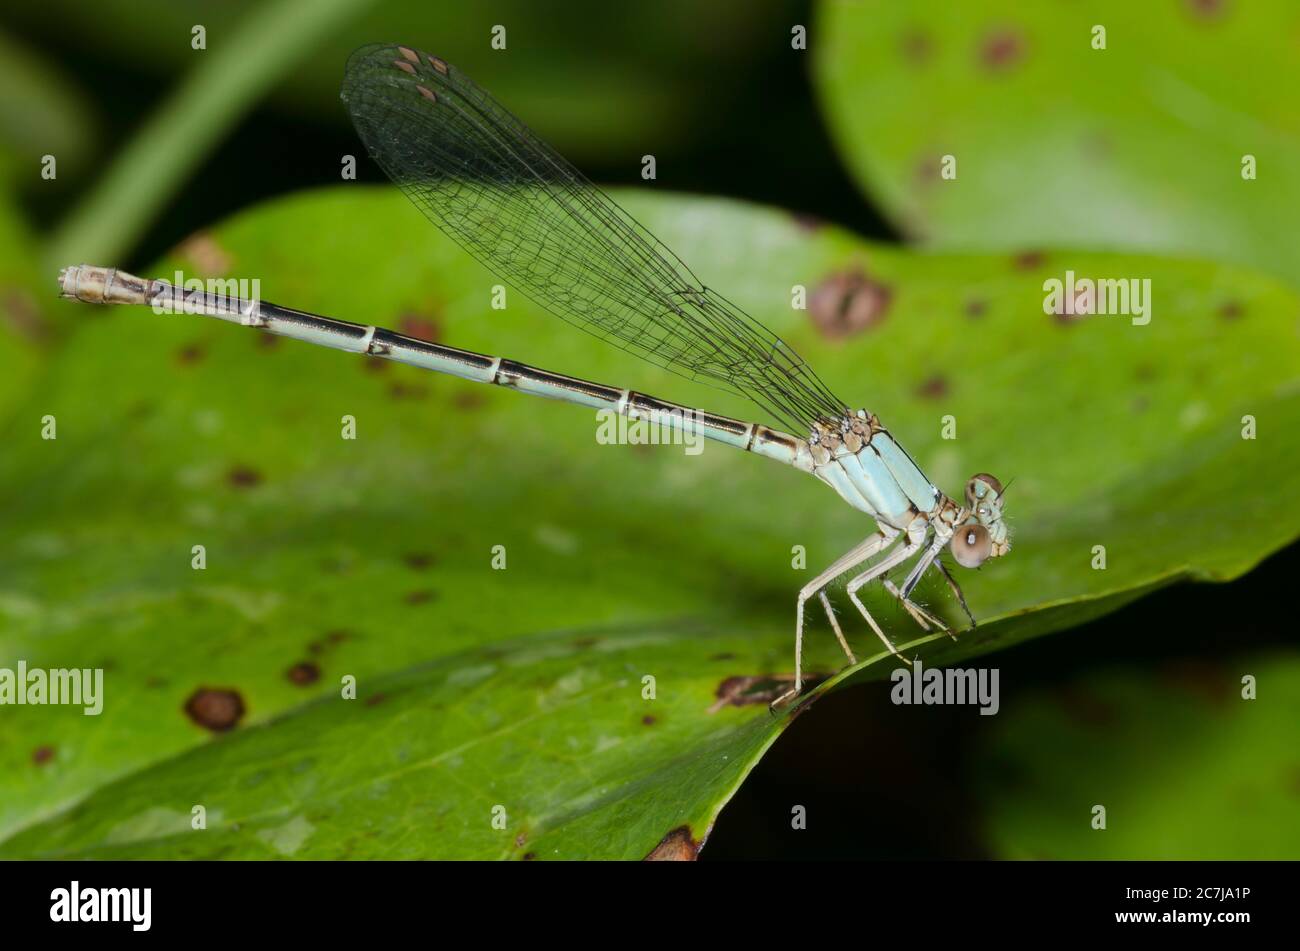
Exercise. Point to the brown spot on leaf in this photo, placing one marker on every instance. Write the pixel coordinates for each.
(928, 170)
(1292, 779)
(205, 254)
(373, 364)
(528, 856)
(975, 308)
(419, 327)
(916, 46)
(649, 720)
(303, 673)
(1230, 310)
(676, 846)
(215, 708)
(468, 399)
(1205, 9)
(744, 691)
(418, 560)
(935, 388)
(1028, 260)
(520, 840)
(268, 341)
(328, 640)
(407, 391)
(190, 354)
(243, 477)
(42, 755)
(724, 655)
(1144, 373)
(375, 699)
(807, 223)
(848, 303)
(422, 596)
(20, 312)
(1002, 49)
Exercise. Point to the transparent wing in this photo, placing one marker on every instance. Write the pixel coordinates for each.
(533, 219)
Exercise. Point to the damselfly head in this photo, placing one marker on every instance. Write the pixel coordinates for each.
(982, 534)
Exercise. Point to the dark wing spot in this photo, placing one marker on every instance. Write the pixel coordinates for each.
(215, 708)
(303, 673)
(676, 846)
(848, 303)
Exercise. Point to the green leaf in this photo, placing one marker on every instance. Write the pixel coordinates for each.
(1163, 752)
(1137, 146)
(523, 687)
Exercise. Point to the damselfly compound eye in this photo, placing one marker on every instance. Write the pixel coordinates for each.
(976, 492)
(970, 545)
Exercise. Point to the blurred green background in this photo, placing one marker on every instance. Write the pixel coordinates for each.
(1137, 709)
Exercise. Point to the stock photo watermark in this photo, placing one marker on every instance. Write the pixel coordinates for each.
(677, 427)
(1086, 297)
(56, 686)
(202, 295)
(942, 686)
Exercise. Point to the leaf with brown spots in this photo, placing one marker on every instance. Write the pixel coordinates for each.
(1139, 147)
(491, 692)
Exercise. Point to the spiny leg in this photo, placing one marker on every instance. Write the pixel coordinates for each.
(835, 626)
(919, 614)
(956, 590)
(915, 540)
(924, 619)
(868, 548)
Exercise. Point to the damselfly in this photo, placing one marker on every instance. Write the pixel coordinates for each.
(522, 210)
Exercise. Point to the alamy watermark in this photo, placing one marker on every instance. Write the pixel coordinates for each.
(675, 427)
(1084, 296)
(201, 296)
(58, 685)
(952, 685)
